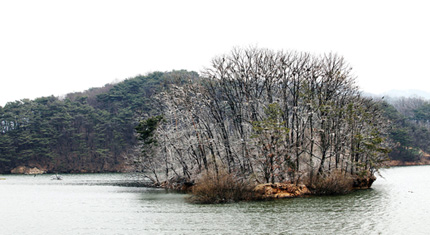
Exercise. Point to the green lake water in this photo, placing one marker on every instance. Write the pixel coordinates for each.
(398, 203)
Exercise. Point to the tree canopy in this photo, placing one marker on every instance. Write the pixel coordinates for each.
(270, 116)
(91, 131)
(256, 112)
(409, 127)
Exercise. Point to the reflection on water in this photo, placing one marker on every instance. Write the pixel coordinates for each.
(100, 204)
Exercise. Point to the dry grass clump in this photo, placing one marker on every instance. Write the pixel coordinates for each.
(333, 183)
(221, 188)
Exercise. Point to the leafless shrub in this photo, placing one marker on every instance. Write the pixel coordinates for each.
(221, 188)
(334, 183)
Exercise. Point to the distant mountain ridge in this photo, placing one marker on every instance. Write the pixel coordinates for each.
(407, 93)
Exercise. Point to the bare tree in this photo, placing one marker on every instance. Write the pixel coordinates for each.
(270, 116)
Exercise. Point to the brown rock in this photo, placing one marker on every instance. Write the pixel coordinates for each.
(281, 190)
(18, 170)
(26, 170)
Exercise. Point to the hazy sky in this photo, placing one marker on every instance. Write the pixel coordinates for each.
(56, 47)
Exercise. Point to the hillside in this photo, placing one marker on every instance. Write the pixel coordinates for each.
(91, 131)
(409, 129)
(94, 131)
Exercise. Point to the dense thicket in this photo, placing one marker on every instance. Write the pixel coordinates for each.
(409, 127)
(270, 117)
(89, 131)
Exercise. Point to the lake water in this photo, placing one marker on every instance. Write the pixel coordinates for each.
(399, 203)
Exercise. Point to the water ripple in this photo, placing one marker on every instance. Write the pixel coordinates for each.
(99, 204)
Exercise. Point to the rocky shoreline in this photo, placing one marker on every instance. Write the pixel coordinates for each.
(422, 162)
(35, 169)
(288, 190)
(27, 170)
(281, 190)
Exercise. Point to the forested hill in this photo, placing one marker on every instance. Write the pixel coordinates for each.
(91, 131)
(94, 131)
(410, 128)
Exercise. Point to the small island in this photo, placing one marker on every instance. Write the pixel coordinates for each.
(265, 124)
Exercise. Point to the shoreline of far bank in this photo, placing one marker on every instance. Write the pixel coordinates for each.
(422, 162)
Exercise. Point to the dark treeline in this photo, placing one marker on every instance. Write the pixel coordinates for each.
(91, 131)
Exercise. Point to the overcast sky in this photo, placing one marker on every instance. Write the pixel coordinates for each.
(57, 47)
